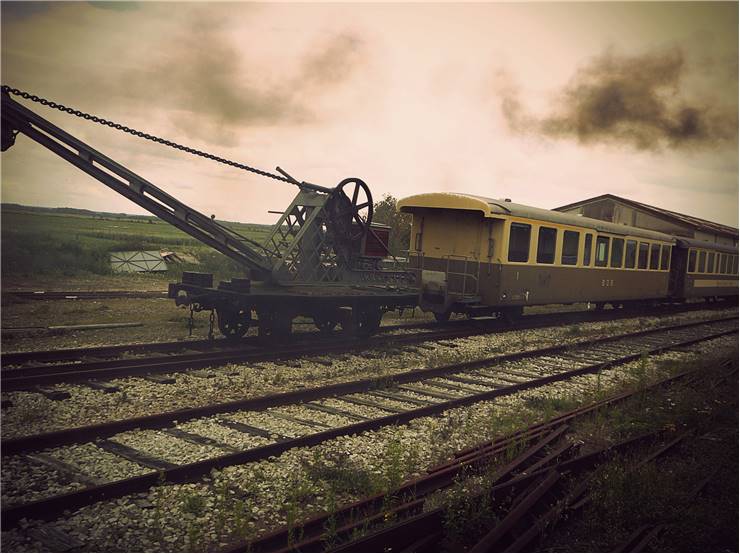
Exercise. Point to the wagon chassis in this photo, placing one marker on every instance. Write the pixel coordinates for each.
(275, 308)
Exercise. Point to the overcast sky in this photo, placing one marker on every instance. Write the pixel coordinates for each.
(545, 104)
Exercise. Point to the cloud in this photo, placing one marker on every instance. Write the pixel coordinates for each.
(211, 93)
(640, 101)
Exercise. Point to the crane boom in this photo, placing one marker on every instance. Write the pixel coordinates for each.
(18, 118)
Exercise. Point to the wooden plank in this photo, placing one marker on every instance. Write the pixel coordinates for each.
(133, 455)
(470, 381)
(426, 346)
(54, 539)
(371, 404)
(64, 468)
(448, 344)
(53, 394)
(458, 388)
(402, 398)
(197, 439)
(298, 420)
(104, 386)
(160, 379)
(432, 394)
(334, 411)
(251, 430)
(322, 360)
(201, 373)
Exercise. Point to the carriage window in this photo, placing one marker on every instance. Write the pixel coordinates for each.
(519, 242)
(643, 256)
(665, 256)
(546, 245)
(724, 263)
(710, 263)
(587, 250)
(617, 248)
(720, 262)
(654, 255)
(702, 261)
(692, 261)
(630, 254)
(570, 248)
(602, 251)
(734, 265)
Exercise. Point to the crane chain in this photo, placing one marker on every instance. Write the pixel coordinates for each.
(141, 134)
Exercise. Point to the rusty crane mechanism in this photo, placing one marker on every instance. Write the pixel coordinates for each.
(322, 259)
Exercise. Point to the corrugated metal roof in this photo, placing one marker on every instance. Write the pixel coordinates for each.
(688, 243)
(695, 222)
(491, 207)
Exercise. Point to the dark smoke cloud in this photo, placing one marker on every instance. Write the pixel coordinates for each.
(205, 81)
(13, 11)
(639, 101)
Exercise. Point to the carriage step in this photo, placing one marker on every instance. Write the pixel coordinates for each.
(478, 309)
(471, 300)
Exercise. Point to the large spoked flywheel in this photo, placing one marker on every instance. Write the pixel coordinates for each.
(351, 209)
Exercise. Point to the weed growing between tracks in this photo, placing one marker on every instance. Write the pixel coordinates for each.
(660, 493)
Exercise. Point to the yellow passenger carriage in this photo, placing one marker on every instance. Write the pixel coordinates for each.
(484, 256)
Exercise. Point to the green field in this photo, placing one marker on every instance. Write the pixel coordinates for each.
(67, 242)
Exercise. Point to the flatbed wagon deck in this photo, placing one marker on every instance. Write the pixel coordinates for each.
(358, 308)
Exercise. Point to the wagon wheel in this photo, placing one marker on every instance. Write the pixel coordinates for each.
(512, 314)
(275, 325)
(353, 204)
(326, 322)
(234, 322)
(366, 321)
(442, 317)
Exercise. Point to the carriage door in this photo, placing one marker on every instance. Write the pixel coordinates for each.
(677, 277)
(463, 261)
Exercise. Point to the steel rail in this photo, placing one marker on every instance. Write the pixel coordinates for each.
(402, 534)
(82, 294)
(155, 421)
(50, 507)
(245, 351)
(362, 513)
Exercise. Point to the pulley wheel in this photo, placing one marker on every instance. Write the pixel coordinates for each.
(353, 204)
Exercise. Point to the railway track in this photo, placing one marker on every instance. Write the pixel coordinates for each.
(268, 426)
(26, 370)
(81, 295)
(541, 448)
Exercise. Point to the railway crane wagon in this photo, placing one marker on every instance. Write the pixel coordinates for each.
(481, 256)
(321, 259)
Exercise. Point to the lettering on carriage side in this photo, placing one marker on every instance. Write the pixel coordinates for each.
(703, 283)
(607, 282)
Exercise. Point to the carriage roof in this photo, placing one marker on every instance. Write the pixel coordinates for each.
(498, 208)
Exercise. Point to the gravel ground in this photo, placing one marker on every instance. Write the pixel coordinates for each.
(33, 413)
(250, 499)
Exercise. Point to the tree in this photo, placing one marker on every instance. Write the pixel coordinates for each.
(385, 212)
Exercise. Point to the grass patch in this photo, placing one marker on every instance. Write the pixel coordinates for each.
(64, 244)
